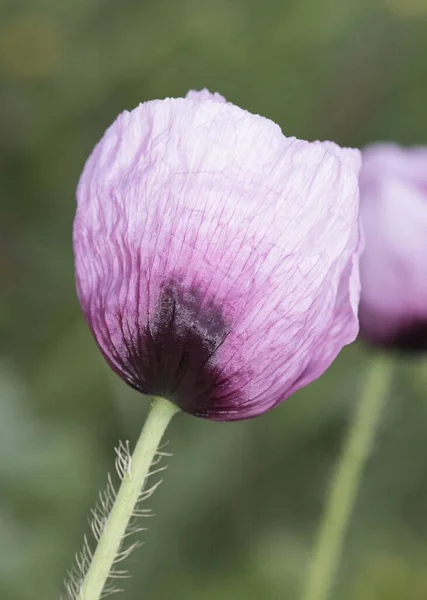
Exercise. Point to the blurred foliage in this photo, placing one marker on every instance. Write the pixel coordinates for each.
(238, 510)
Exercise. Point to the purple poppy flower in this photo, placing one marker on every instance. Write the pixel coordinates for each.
(393, 191)
(216, 259)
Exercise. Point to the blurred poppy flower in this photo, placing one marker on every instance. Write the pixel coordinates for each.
(393, 192)
(216, 259)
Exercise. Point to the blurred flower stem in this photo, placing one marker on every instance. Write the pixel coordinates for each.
(108, 549)
(346, 479)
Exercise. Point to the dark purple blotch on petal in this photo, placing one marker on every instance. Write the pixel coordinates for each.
(174, 356)
(412, 338)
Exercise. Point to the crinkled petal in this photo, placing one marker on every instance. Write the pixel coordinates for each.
(204, 95)
(213, 255)
(349, 157)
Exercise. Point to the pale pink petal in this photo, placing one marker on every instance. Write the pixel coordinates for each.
(349, 157)
(204, 95)
(216, 259)
(393, 186)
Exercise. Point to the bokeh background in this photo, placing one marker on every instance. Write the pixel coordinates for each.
(237, 513)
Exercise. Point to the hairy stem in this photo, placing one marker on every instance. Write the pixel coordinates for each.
(113, 531)
(346, 480)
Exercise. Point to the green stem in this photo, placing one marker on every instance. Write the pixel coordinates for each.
(346, 480)
(127, 497)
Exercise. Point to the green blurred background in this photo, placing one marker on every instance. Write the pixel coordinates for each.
(237, 513)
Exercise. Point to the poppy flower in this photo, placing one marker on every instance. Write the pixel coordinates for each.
(393, 197)
(217, 259)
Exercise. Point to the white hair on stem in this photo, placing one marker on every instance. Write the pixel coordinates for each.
(99, 518)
